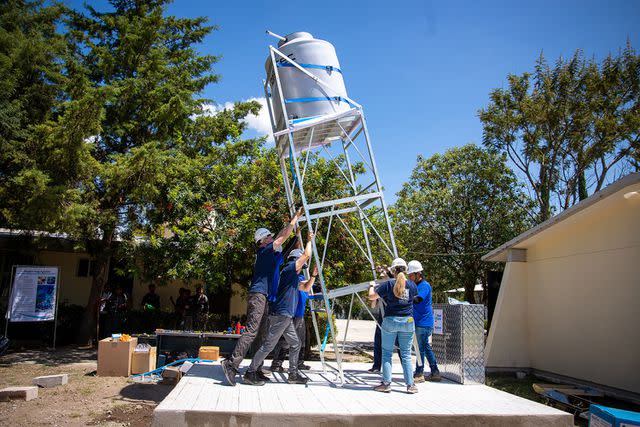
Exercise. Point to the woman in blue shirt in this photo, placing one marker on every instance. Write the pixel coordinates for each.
(397, 296)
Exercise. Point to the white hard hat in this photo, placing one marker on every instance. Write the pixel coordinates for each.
(260, 234)
(414, 267)
(398, 262)
(296, 253)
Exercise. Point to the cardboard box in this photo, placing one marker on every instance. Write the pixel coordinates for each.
(114, 357)
(143, 361)
(209, 353)
(602, 416)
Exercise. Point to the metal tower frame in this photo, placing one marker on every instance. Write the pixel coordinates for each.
(300, 136)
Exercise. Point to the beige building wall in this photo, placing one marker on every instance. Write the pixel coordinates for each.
(581, 284)
(238, 301)
(73, 289)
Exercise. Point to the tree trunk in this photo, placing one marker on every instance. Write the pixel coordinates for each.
(102, 254)
(469, 288)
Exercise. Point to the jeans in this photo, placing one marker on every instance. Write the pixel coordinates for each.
(278, 326)
(422, 335)
(257, 313)
(400, 327)
(282, 347)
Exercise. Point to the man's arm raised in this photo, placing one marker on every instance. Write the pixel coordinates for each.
(284, 234)
(300, 262)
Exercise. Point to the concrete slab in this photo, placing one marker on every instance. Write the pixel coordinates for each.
(202, 399)
(51, 380)
(19, 393)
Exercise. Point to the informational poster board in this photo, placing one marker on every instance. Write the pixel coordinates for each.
(33, 294)
(438, 324)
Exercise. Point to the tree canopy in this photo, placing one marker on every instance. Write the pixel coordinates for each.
(456, 207)
(569, 128)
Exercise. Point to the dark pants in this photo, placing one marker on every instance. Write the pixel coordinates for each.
(257, 314)
(377, 347)
(282, 346)
(279, 326)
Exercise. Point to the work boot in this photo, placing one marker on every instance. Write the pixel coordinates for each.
(418, 377)
(433, 376)
(251, 378)
(412, 389)
(229, 372)
(303, 367)
(374, 370)
(262, 376)
(383, 387)
(276, 368)
(296, 378)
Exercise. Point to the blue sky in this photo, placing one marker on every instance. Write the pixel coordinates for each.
(421, 69)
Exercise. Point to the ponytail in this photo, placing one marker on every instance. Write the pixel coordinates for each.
(399, 287)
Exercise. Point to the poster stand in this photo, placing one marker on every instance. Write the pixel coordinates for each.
(8, 315)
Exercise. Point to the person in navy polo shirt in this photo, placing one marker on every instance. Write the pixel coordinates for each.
(301, 328)
(423, 316)
(257, 310)
(281, 317)
(398, 296)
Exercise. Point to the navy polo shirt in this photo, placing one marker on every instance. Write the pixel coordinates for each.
(395, 306)
(302, 299)
(264, 269)
(423, 311)
(287, 297)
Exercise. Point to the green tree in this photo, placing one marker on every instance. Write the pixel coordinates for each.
(42, 130)
(456, 207)
(568, 127)
(155, 149)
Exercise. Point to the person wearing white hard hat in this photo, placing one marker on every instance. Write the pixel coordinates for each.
(423, 316)
(265, 272)
(398, 296)
(281, 318)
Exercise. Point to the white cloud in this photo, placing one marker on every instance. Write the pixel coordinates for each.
(261, 123)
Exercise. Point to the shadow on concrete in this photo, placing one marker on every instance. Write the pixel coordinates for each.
(145, 392)
(50, 357)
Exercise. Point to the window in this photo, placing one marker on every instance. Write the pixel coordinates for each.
(85, 267)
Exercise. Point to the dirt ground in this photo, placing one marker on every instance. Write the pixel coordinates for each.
(85, 400)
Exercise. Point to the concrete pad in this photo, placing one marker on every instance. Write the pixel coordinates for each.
(19, 393)
(202, 399)
(51, 380)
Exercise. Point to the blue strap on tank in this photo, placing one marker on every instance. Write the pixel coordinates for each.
(318, 98)
(329, 68)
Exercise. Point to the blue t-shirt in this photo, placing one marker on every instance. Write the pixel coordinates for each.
(273, 287)
(423, 311)
(287, 297)
(264, 269)
(302, 300)
(395, 306)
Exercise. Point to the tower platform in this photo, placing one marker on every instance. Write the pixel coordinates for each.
(202, 399)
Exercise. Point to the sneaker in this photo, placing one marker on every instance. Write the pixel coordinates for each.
(229, 372)
(433, 376)
(374, 370)
(418, 378)
(383, 387)
(297, 379)
(276, 368)
(303, 367)
(251, 378)
(261, 376)
(412, 389)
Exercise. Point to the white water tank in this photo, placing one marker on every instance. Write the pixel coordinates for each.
(304, 98)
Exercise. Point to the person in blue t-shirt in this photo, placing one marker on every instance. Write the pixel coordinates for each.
(301, 328)
(257, 310)
(398, 296)
(280, 320)
(423, 316)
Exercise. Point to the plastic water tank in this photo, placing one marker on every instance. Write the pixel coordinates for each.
(304, 97)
